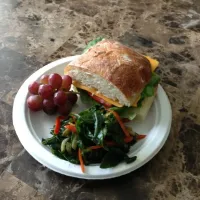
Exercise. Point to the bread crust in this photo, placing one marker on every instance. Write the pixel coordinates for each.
(128, 70)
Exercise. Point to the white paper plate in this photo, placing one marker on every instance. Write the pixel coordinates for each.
(31, 127)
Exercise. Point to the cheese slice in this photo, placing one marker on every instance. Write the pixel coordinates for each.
(154, 63)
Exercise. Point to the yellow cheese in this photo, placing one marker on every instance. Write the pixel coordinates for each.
(136, 101)
(154, 63)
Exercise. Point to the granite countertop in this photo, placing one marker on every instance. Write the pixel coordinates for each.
(33, 33)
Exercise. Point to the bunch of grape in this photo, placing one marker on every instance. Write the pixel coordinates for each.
(52, 94)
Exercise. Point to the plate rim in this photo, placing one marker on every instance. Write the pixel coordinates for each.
(34, 154)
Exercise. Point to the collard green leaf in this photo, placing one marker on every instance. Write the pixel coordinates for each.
(130, 160)
(114, 130)
(99, 128)
(53, 140)
(95, 156)
(112, 158)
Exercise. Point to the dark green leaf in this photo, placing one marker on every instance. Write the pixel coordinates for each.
(99, 128)
(94, 156)
(112, 158)
(57, 153)
(130, 160)
(54, 139)
(114, 130)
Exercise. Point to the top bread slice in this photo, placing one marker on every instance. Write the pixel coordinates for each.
(113, 70)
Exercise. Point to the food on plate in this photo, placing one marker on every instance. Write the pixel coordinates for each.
(33, 87)
(52, 94)
(96, 135)
(44, 79)
(34, 102)
(116, 76)
(118, 84)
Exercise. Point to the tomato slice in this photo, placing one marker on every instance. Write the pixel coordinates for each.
(100, 100)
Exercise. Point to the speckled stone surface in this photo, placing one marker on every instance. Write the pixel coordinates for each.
(33, 33)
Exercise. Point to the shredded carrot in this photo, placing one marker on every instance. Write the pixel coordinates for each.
(57, 126)
(95, 147)
(139, 137)
(120, 123)
(71, 127)
(81, 160)
(128, 139)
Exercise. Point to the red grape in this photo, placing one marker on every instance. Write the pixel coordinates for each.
(72, 97)
(65, 109)
(49, 107)
(46, 91)
(60, 98)
(44, 79)
(35, 102)
(55, 80)
(66, 82)
(33, 87)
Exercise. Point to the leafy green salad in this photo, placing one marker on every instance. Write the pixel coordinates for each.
(96, 135)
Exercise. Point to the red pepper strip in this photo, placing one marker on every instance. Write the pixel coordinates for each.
(120, 123)
(128, 139)
(100, 100)
(57, 126)
(62, 117)
(71, 127)
(81, 160)
(139, 137)
(95, 147)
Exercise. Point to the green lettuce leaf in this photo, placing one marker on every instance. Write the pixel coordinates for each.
(125, 112)
(149, 89)
(92, 43)
(86, 99)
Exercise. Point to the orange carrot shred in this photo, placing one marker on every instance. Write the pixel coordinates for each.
(128, 139)
(140, 136)
(120, 123)
(95, 147)
(71, 127)
(81, 160)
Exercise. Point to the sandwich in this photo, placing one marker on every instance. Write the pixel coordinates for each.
(117, 77)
